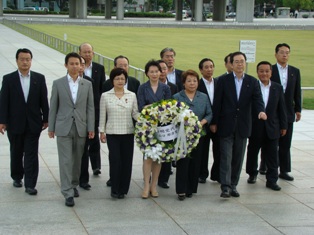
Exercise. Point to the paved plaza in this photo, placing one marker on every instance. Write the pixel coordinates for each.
(258, 210)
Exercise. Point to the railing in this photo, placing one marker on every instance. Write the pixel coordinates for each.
(66, 47)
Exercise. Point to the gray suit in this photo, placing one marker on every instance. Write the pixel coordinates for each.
(71, 123)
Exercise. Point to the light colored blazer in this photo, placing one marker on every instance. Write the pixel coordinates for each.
(63, 110)
(116, 114)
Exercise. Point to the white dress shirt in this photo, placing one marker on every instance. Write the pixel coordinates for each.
(172, 76)
(283, 73)
(265, 92)
(25, 83)
(74, 85)
(88, 70)
(238, 84)
(210, 89)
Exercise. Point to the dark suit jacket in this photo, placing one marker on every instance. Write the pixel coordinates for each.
(202, 88)
(178, 74)
(276, 114)
(173, 88)
(133, 85)
(293, 90)
(146, 95)
(99, 77)
(229, 111)
(15, 112)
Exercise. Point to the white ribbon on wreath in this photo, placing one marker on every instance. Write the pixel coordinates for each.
(154, 153)
(181, 138)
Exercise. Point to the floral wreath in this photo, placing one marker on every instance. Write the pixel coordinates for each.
(167, 131)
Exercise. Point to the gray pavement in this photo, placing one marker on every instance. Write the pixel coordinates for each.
(257, 211)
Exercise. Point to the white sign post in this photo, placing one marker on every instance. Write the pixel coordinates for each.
(248, 47)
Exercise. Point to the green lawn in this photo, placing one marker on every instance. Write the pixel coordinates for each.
(142, 44)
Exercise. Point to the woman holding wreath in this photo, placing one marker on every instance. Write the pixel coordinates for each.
(151, 91)
(188, 168)
(117, 108)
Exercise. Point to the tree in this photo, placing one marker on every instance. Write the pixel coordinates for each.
(165, 4)
(299, 4)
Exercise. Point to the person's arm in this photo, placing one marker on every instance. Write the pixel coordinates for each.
(90, 112)
(140, 98)
(135, 113)
(44, 103)
(102, 119)
(298, 96)
(258, 99)
(208, 112)
(54, 100)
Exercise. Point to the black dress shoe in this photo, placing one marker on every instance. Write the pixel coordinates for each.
(120, 196)
(262, 172)
(181, 197)
(76, 192)
(69, 201)
(108, 183)
(273, 186)
(225, 193)
(189, 195)
(85, 186)
(285, 176)
(114, 195)
(96, 172)
(202, 180)
(31, 191)
(215, 179)
(234, 193)
(251, 179)
(163, 185)
(17, 183)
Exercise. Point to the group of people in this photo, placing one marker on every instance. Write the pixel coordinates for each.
(86, 109)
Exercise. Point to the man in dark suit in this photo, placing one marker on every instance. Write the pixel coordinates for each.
(174, 75)
(165, 170)
(24, 114)
(72, 120)
(266, 134)
(97, 73)
(232, 120)
(208, 85)
(131, 84)
(228, 65)
(289, 77)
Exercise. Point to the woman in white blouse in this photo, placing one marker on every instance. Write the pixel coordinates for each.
(117, 108)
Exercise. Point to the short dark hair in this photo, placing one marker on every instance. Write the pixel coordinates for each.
(226, 58)
(263, 62)
(152, 63)
(119, 57)
(161, 61)
(188, 72)
(72, 54)
(281, 45)
(23, 50)
(235, 54)
(116, 72)
(201, 63)
(163, 51)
